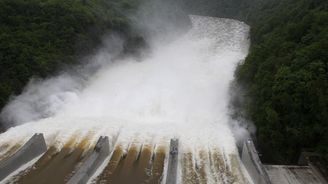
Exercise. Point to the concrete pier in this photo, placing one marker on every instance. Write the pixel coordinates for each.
(172, 170)
(94, 160)
(283, 174)
(253, 164)
(305, 173)
(34, 147)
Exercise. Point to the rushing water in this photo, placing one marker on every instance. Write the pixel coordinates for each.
(180, 90)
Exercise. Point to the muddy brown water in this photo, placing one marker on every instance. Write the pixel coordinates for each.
(138, 164)
(201, 168)
(210, 164)
(9, 148)
(55, 167)
(189, 173)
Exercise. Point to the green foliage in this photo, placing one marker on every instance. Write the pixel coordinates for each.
(286, 76)
(39, 36)
(218, 8)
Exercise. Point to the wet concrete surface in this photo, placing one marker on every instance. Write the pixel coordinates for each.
(55, 166)
(10, 150)
(137, 164)
(280, 174)
(210, 166)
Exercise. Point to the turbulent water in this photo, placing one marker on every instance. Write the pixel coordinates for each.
(180, 90)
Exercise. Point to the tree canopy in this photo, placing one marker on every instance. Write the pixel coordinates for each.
(286, 77)
(37, 37)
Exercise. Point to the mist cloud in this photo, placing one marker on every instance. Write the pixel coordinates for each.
(182, 81)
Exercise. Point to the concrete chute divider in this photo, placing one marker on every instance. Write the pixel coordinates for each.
(86, 168)
(34, 147)
(93, 161)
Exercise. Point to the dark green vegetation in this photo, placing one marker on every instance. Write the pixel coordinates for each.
(285, 76)
(237, 9)
(37, 37)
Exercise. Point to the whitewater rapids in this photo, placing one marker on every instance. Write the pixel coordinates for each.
(180, 90)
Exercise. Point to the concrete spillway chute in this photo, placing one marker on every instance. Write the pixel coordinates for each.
(34, 147)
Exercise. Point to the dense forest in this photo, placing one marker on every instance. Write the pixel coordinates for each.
(284, 79)
(38, 37)
(237, 9)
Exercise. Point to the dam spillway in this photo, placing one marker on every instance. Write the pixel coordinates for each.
(180, 91)
(135, 162)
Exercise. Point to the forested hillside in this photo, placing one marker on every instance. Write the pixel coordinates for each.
(285, 77)
(236, 9)
(37, 37)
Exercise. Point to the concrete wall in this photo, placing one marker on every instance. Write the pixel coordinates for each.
(34, 147)
(172, 170)
(292, 174)
(316, 163)
(90, 165)
(253, 164)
